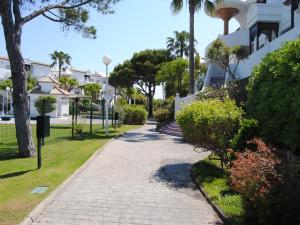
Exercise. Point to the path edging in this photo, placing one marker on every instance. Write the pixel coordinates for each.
(33, 215)
(221, 214)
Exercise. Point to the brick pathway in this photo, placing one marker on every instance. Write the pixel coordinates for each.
(141, 178)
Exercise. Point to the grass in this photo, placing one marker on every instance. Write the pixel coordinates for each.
(214, 181)
(61, 156)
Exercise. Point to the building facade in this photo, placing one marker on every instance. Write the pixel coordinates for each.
(264, 26)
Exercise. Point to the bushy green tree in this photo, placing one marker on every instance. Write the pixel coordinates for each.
(274, 95)
(45, 104)
(92, 90)
(172, 76)
(141, 71)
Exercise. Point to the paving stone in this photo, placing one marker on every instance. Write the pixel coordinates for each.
(141, 178)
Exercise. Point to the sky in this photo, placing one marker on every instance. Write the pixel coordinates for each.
(136, 25)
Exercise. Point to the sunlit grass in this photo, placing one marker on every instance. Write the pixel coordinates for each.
(214, 181)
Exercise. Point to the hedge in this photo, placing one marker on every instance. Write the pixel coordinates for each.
(135, 114)
(274, 96)
(210, 122)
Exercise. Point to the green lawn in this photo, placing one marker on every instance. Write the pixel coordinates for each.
(214, 181)
(61, 156)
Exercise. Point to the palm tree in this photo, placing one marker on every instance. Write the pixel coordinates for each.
(60, 58)
(178, 45)
(194, 5)
(68, 83)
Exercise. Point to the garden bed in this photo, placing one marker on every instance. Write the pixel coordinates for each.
(214, 182)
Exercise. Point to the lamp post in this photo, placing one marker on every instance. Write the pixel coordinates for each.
(106, 60)
(7, 90)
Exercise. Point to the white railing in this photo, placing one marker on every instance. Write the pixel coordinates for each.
(182, 102)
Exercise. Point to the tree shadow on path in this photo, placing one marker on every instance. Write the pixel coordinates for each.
(175, 175)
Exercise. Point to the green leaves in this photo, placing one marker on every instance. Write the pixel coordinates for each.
(274, 95)
(210, 123)
(45, 104)
(92, 90)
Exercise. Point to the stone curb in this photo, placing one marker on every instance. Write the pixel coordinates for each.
(224, 218)
(33, 215)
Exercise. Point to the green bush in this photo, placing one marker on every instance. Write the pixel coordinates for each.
(274, 99)
(46, 104)
(162, 115)
(247, 131)
(135, 114)
(210, 124)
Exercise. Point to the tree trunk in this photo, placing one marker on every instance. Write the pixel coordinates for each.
(12, 33)
(59, 70)
(150, 104)
(191, 46)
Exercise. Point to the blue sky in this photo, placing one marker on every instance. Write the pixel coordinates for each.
(136, 25)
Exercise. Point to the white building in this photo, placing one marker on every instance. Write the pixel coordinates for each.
(49, 86)
(37, 69)
(264, 26)
(83, 76)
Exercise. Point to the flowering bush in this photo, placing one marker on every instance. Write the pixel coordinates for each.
(269, 186)
(254, 172)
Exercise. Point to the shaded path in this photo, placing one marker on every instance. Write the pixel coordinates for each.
(141, 178)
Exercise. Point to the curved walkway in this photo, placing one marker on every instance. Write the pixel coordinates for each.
(140, 178)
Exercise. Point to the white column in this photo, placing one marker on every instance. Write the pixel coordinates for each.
(106, 117)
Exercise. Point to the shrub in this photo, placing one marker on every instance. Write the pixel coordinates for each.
(135, 114)
(247, 131)
(120, 109)
(162, 115)
(270, 187)
(49, 106)
(253, 172)
(237, 91)
(210, 124)
(273, 97)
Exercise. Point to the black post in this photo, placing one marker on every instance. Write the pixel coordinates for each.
(76, 110)
(39, 153)
(73, 113)
(112, 115)
(43, 114)
(103, 105)
(91, 118)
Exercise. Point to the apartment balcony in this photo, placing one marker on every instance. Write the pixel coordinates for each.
(270, 12)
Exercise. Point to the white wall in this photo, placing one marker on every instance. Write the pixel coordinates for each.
(4, 64)
(46, 87)
(39, 70)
